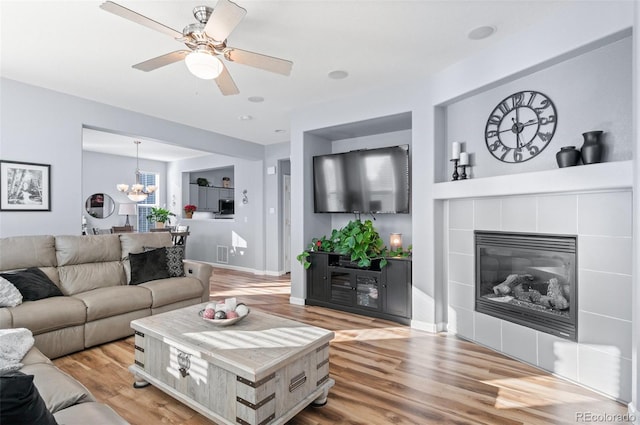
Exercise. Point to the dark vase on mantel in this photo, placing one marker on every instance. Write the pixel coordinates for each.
(592, 147)
(568, 156)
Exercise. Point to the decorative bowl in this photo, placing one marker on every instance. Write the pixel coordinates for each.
(223, 322)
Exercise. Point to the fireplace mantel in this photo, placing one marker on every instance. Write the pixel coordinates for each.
(582, 178)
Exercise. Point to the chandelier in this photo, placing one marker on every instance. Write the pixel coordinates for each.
(138, 191)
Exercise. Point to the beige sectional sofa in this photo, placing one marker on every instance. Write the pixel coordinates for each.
(93, 274)
(69, 401)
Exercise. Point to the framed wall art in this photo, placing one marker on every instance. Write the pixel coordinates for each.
(25, 186)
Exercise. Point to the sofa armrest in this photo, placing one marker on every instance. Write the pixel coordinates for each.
(202, 272)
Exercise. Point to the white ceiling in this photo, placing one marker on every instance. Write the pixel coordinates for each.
(77, 48)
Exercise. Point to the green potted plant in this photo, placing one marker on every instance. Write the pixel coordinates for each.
(160, 216)
(359, 240)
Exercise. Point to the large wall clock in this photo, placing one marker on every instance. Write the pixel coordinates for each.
(521, 126)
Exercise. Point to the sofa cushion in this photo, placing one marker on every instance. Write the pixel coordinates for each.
(20, 252)
(148, 265)
(6, 319)
(173, 289)
(134, 242)
(57, 389)
(9, 294)
(87, 249)
(21, 402)
(33, 284)
(89, 413)
(88, 262)
(114, 300)
(49, 314)
(35, 356)
(79, 278)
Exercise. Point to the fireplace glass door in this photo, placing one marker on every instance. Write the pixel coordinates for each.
(529, 279)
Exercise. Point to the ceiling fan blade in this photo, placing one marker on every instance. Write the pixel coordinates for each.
(224, 18)
(225, 83)
(257, 60)
(129, 14)
(160, 61)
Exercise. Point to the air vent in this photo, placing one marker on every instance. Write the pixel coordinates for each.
(223, 254)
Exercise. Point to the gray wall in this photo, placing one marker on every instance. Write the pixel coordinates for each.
(590, 92)
(43, 126)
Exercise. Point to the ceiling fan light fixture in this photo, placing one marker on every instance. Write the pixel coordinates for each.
(203, 64)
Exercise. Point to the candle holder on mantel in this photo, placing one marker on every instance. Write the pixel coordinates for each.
(455, 175)
(463, 176)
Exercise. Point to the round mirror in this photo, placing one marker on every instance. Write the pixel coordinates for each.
(99, 205)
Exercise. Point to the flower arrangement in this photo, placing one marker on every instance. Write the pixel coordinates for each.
(190, 208)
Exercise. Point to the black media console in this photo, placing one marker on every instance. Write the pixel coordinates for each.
(377, 292)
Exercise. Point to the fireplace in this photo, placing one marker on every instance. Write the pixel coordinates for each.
(528, 279)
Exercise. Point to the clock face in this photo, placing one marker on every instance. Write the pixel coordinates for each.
(521, 126)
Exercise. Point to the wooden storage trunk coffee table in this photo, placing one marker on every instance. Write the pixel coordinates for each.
(261, 370)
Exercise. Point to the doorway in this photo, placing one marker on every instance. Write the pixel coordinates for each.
(285, 190)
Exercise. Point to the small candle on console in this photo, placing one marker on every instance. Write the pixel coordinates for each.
(464, 158)
(455, 150)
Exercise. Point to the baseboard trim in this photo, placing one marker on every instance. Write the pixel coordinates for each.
(424, 326)
(247, 269)
(296, 301)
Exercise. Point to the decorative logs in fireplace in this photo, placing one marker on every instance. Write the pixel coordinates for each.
(520, 286)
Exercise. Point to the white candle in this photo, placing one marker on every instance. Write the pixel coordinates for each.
(455, 150)
(464, 158)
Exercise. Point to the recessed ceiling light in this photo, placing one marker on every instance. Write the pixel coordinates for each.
(255, 99)
(279, 130)
(245, 117)
(481, 32)
(338, 75)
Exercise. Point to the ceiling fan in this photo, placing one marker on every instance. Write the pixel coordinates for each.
(207, 41)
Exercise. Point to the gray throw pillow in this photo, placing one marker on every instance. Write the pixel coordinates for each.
(175, 255)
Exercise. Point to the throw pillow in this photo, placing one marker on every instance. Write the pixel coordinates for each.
(21, 402)
(9, 294)
(148, 265)
(175, 256)
(33, 284)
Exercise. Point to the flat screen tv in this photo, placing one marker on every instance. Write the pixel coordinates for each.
(363, 181)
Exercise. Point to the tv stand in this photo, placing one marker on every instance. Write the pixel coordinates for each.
(333, 281)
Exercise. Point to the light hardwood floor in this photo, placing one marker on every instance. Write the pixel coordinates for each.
(385, 373)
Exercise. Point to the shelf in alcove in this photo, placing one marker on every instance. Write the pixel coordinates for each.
(581, 178)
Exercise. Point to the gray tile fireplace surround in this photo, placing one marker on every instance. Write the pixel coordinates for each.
(602, 221)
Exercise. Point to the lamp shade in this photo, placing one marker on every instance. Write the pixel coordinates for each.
(127, 209)
(203, 64)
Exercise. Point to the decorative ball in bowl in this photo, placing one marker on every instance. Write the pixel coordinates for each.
(224, 313)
